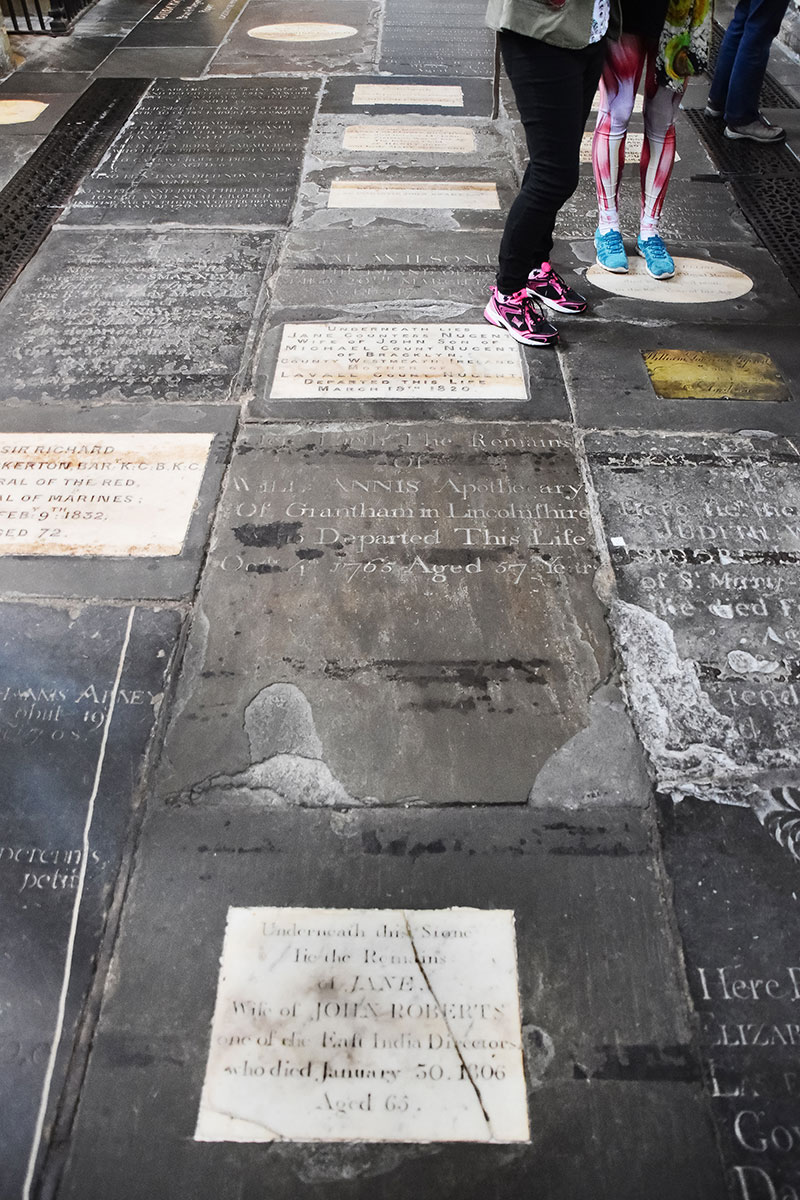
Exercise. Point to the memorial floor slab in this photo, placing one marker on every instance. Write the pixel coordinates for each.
(163, 316)
(419, 141)
(626, 1030)
(81, 693)
(447, 95)
(705, 543)
(611, 388)
(287, 48)
(482, 528)
(115, 504)
(155, 62)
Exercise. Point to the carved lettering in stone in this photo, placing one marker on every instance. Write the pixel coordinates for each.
(374, 193)
(696, 281)
(439, 96)
(99, 494)
(408, 139)
(366, 1025)
(401, 361)
(702, 375)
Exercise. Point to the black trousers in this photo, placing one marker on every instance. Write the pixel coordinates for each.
(553, 89)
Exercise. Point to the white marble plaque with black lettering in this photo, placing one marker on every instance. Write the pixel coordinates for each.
(409, 139)
(362, 1025)
(397, 362)
(438, 95)
(412, 193)
(118, 494)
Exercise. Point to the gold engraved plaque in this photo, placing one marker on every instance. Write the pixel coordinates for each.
(699, 375)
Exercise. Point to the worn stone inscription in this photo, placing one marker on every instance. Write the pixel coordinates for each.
(696, 281)
(439, 96)
(375, 193)
(397, 362)
(99, 494)
(704, 375)
(705, 536)
(401, 139)
(427, 596)
(366, 1025)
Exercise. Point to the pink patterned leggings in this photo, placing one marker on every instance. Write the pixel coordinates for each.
(626, 61)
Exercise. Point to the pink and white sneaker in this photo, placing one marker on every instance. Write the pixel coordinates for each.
(521, 317)
(548, 286)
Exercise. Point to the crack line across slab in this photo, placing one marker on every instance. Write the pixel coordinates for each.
(441, 1009)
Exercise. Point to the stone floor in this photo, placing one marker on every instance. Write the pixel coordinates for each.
(406, 802)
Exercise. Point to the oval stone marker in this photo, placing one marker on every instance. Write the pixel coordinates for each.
(366, 1025)
(409, 139)
(306, 31)
(412, 193)
(695, 281)
(18, 112)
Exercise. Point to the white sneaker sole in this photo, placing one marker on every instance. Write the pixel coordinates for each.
(556, 307)
(612, 270)
(735, 136)
(652, 274)
(494, 319)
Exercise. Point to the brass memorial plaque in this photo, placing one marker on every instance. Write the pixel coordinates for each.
(698, 375)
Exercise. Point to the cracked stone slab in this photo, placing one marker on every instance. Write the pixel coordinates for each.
(81, 691)
(163, 316)
(448, 95)
(610, 386)
(210, 152)
(245, 53)
(351, 999)
(705, 541)
(584, 895)
(736, 902)
(467, 557)
(100, 518)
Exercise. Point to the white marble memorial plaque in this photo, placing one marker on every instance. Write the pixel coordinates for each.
(366, 1025)
(696, 281)
(633, 148)
(20, 112)
(438, 95)
(397, 362)
(305, 31)
(108, 494)
(410, 139)
(368, 193)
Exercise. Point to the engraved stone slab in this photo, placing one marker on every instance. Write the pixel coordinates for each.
(705, 375)
(119, 494)
(466, 553)
(184, 23)
(696, 281)
(118, 505)
(203, 153)
(348, 1002)
(163, 315)
(370, 193)
(735, 890)
(381, 361)
(79, 696)
(705, 539)
(417, 94)
(413, 139)
(318, 45)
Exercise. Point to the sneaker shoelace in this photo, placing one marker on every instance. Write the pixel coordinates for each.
(521, 311)
(612, 240)
(550, 278)
(656, 249)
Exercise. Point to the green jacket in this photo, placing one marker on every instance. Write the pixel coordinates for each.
(568, 25)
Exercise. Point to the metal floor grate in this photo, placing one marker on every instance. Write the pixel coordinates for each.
(34, 199)
(773, 94)
(766, 184)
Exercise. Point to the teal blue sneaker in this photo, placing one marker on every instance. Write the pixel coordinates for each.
(657, 260)
(611, 251)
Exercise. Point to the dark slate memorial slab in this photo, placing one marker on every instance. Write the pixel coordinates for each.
(424, 40)
(126, 315)
(705, 540)
(607, 1044)
(275, 36)
(223, 152)
(185, 23)
(399, 95)
(383, 607)
(109, 503)
(736, 897)
(79, 695)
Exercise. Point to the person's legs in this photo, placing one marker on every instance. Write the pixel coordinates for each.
(553, 89)
(658, 150)
(618, 83)
(750, 64)
(718, 93)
